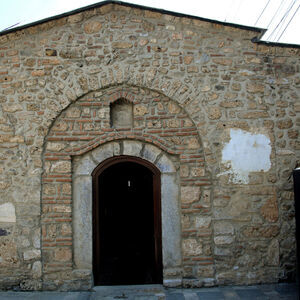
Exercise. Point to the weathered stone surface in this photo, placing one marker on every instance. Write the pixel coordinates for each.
(222, 251)
(173, 108)
(255, 88)
(273, 253)
(165, 165)
(223, 240)
(37, 269)
(92, 27)
(84, 165)
(270, 209)
(32, 254)
(223, 227)
(36, 239)
(73, 112)
(7, 213)
(150, 152)
(190, 194)
(184, 171)
(55, 146)
(12, 107)
(61, 167)
(261, 232)
(8, 252)
(193, 143)
(106, 151)
(63, 254)
(191, 247)
(214, 113)
(197, 172)
(284, 124)
(171, 231)
(239, 205)
(121, 45)
(121, 115)
(82, 190)
(202, 222)
(132, 148)
(140, 110)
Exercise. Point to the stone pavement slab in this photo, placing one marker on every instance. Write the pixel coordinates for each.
(158, 292)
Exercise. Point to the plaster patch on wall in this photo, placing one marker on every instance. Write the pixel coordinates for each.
(246, 152)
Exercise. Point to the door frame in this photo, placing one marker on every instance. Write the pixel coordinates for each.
(156, 203)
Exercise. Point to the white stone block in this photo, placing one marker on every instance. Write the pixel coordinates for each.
(7, 213)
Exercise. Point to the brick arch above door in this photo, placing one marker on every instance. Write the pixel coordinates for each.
(84, 127)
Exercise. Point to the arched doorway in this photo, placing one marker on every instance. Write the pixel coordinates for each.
(126, 222)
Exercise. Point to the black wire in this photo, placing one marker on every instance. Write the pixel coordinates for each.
(276, 12)
(262, 12)
(285, 18)
(274, 30)
(288, 23)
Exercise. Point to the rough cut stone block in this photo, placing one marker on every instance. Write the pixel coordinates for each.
(7, 213)
(140, 110)
(92, 27)
(31, 254)
(273, 253)
(82, 225)
(223, 227)
(165, 165)
(62, 254)
(202, 222)
(84, 165)
(150, 152)
(8, 252)
(171, 233)
(223, 240)
(190, 194)
(132, 148)
(191, 247)
(61, 167)
(105, 151)
(37, 269)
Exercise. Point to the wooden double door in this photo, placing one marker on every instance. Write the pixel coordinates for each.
(126, 222)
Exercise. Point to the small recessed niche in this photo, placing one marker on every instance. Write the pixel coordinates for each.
(121, 113)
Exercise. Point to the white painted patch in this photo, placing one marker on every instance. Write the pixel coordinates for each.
(246, 152)
(7, 213)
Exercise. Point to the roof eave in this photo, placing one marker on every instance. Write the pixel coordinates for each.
(261, 31)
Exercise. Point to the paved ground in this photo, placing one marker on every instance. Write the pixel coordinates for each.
(157, 292)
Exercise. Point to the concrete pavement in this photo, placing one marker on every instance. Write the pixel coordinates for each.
(158, 292)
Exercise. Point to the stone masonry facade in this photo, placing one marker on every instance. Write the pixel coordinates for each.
(205, 104)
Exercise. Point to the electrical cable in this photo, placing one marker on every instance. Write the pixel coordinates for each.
(276, 12)
(262, 12)
(285, 18)
(288, 23)
(274, 30)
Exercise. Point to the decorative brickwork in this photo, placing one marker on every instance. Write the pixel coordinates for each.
(85, 125)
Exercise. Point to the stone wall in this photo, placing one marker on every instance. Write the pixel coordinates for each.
(201, 92)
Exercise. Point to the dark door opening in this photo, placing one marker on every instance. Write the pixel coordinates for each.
(127, 230)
